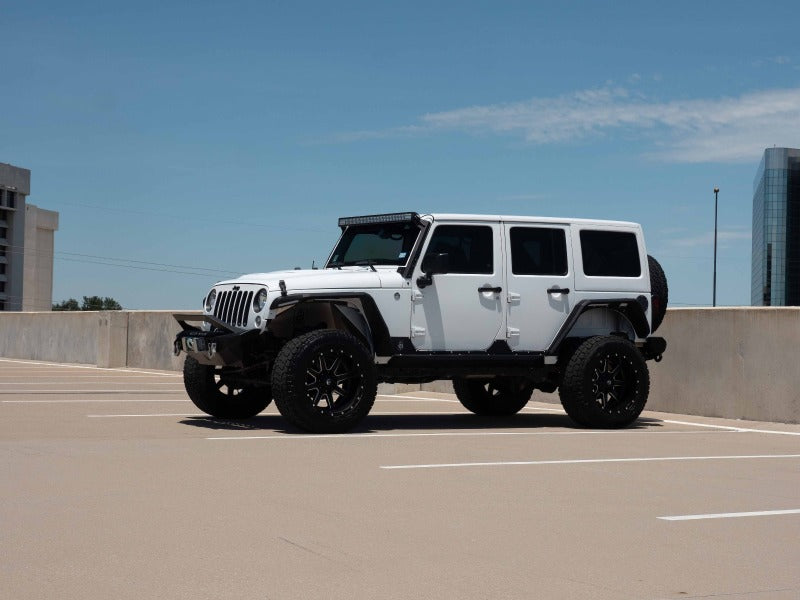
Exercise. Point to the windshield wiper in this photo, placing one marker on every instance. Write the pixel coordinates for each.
(368, 263)
(334, 265)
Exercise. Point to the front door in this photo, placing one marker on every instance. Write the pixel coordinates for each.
(540, 283)
(461, 310)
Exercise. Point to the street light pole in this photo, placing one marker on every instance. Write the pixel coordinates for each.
(716, 193)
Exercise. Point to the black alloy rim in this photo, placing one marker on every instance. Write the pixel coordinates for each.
(230, 391)
(332, 381)
(613, 381)
(505, 387)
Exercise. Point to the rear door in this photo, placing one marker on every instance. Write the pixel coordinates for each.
(540, 283)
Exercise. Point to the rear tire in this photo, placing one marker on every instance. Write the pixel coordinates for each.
(324, 381)
(605, 383)
(210, 391)
(500, 396)
(659, 292)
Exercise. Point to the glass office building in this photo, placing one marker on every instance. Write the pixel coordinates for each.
(776, 229)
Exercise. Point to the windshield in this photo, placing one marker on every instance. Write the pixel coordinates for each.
(379, 244)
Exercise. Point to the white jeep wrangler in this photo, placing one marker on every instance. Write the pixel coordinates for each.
(499, 305)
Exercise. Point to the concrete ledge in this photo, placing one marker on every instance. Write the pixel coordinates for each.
(736, 363)
(51, 336)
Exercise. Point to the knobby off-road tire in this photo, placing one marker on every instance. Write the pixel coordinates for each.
(493, 397)
(324, 381)
(605, 383)
(659, 292)
(209, 390)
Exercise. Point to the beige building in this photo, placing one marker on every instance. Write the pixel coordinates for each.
(26, 245)
(37, 279)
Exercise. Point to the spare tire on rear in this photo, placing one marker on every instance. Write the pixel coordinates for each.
(659, 292)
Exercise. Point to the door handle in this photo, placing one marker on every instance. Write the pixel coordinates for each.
(558, 290)
(488, 288)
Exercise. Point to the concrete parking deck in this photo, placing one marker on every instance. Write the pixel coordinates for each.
(115, 486)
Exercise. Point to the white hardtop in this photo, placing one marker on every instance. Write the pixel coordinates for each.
(526, 219)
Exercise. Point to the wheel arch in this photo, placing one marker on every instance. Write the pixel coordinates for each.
(356, 313)
(631, 309)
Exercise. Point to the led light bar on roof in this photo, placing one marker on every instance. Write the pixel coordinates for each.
(370, 219)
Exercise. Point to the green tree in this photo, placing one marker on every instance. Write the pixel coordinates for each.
(89, 303)
(70, 304)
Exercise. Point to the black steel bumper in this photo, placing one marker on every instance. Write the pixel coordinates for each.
(221, 347)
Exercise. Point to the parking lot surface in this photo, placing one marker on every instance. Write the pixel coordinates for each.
(115, 486)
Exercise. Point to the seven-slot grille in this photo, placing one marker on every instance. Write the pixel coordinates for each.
(233, 307)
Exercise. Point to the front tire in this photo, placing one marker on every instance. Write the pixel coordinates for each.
(500, 396)
(324, 381)
(605, 383)
(218, 396)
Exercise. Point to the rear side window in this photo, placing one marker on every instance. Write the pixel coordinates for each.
(538, 251)
(610, 254)
(468, 247)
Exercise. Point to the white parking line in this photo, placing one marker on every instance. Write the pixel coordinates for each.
(397, 398)
(73, 392)
(586, 461)
(759, 513)
(89, 401)
(376, 414)
(97, 377)
(152, 415)
(552, 410)
(729, 428)
(72, 366)
(177, 385)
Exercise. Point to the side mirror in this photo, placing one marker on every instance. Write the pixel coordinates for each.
(433, 264)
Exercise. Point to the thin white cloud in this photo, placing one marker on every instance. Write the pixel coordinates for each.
(700, 130)
(706, 239)
(524, 197)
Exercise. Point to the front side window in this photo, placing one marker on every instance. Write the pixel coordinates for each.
(610, 254)
(379, 244)
(469, 248)
(538, 251)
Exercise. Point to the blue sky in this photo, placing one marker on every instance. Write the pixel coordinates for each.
(182, 142)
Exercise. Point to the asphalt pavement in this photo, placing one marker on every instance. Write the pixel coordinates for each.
(115, 486)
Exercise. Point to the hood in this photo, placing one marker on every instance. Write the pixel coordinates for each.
(316, 279)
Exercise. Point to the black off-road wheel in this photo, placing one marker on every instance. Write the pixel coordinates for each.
(605, 383)
(219, 396)
(324, 381)
(659, 292)
(493, 397)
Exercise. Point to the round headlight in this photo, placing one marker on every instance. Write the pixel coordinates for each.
(260, 300)
(210, 299)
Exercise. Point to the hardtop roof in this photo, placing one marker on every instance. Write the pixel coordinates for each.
(525, 219)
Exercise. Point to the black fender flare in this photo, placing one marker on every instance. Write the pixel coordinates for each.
(367, 322)
(630, 308)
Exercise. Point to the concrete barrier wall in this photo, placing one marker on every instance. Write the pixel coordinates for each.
(50, 336)
(738, 363)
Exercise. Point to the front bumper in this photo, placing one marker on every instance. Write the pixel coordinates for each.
(221, 347)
